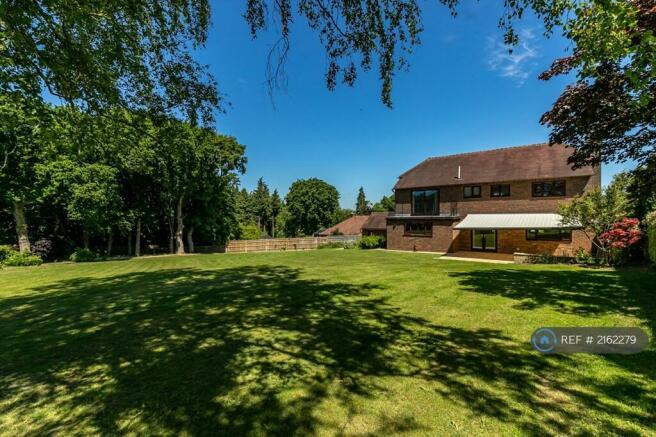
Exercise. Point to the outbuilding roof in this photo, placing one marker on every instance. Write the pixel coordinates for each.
(536, 161)
(350, 226)
(377, 221)
(512, 221)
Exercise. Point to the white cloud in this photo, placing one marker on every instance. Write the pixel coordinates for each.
(518, 64)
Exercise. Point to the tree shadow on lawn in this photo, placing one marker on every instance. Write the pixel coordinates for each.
(588, 293)
(253, 350)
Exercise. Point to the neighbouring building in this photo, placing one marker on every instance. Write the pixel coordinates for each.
(503, 200)
(376, 224)
(350, 226)
(373, 224)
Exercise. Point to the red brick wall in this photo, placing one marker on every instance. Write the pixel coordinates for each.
(509, 241)
(440, 241)
(514, 240)
(520, 199)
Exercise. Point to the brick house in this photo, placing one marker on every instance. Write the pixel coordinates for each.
(503, 200)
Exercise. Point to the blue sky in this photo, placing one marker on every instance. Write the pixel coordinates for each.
(463, 92)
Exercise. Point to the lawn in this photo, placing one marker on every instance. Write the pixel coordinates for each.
(321, 342)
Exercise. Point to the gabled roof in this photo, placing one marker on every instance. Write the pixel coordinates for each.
(377, 221)
(535, 161)
(350, 226)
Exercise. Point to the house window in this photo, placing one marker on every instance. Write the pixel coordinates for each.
(549, 234)
(502, 190)
(549, 189)
(471, 191)
(424, 202)
(424, 229)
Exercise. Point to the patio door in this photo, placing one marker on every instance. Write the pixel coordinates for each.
(484, 239)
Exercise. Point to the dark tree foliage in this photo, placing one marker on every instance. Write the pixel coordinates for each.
(609, 113)
(360, 34)
(362, 206)
(604, 118)
(642, 190)
(101, 53)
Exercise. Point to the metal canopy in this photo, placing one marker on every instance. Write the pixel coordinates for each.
(512, 221)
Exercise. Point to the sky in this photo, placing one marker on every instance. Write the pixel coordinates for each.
(463, 92)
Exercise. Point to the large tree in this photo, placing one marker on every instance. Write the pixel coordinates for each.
(385, 204)
(191, 160)
(312, 204)
(609, 113)
(23, 132)
(358, 35)
(262, 204)
(597, 210)
(97, 54)
(362, 207)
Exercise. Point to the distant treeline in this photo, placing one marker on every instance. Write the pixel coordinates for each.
(70, 179)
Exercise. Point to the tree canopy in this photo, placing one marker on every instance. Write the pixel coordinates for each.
(80, 179)
(130, 53)
(362, 206)
(609, 113)
(312, 204)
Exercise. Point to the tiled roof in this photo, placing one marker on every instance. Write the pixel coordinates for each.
(350, 226)
(377, 221)
(536, 161)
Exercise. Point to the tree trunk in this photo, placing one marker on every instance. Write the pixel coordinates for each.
(85, 239)
(110, 242)
(130, 243)
(273, 226)
(21, 226)
(190, 239)
(171, 235)
(180, 250)
(137, 239)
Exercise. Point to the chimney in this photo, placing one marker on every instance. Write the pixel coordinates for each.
(458, 177)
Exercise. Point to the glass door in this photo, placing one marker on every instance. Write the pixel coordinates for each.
(484, 239)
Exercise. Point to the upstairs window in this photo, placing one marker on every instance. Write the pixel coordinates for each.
(423, 229)
(424, 202)
(502, 190)
(549, 189)
(549, 234)
(471, 191)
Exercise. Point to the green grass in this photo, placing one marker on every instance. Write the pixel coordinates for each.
(321, 342)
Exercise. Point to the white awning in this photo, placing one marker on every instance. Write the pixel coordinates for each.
(511, 221)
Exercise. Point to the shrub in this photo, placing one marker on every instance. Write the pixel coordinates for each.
(42, 247)
(249, 232)
(84, 255)
(350, 244)
(16, 259)
(620, 238)
(371, 242)
(582, 256)
(5, 252)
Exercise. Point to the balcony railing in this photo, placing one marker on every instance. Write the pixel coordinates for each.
(446, 209)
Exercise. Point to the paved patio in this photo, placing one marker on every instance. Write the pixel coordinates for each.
(487, 257)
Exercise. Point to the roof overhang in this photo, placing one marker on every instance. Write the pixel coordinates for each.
(512, 221)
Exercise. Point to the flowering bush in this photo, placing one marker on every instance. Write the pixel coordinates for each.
(620, 237)
(623, 234)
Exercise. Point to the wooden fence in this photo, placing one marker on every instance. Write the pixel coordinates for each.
(277, 244)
